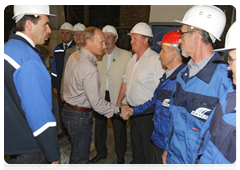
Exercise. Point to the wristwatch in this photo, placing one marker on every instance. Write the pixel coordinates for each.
(120, 111)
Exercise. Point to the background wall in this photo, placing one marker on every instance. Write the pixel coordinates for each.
(167, 13)
(122, 17)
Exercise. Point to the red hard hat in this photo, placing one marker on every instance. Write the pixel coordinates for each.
(171, 37)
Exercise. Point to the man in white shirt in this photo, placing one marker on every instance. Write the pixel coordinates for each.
(139, 83)
(111, 69)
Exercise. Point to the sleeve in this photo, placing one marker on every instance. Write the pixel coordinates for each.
(54, 71)
(33, 85)
(148, 107)
(125, 76)
(170, 129)
(128, 57)
(91, 89)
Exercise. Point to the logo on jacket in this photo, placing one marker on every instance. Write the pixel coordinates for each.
(166, 102)
(200, 112)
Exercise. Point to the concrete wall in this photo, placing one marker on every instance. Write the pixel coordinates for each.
(167, 13)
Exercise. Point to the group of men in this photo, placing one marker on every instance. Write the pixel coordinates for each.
(185, 114)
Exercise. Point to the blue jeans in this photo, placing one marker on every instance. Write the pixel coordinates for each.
(79, 126)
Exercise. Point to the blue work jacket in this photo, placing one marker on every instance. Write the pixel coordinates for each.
(192, 101)
(216, 143)
(29, 124)
(159, 104)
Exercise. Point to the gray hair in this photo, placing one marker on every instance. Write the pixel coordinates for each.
(176, 47)
(206, 37)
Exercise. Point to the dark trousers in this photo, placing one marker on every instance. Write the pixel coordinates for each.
(119, 129)
(141, 128)
(156, 154)
(60, 108)
(79, 126)
(30, 158)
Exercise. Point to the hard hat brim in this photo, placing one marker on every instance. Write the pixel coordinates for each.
(130, 34)
(223, 49)
(197, 28)
(50, 15)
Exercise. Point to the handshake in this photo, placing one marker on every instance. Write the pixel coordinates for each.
(126, 112)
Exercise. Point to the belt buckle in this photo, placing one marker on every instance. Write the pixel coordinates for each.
(77, 107)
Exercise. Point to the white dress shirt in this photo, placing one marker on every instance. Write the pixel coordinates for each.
(68, 44)
(142, 77)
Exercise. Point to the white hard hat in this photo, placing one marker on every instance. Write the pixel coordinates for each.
(110, 29)
(20, 10)
(141, 28)
(79, 27)
(231, 39)
(208, 18)
(66, 26)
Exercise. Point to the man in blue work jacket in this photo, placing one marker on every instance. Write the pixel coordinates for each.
(30, 127)
(199, 85)
(159, 104)
(216, 143)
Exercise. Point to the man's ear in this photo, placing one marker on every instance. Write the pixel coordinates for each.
(196, 37)
(29, 25)
(146, 40)
(88, 41)
(115, 39)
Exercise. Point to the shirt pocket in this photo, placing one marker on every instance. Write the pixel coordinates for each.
(141, 77)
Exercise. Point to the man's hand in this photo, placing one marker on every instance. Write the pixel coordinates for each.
(164, 157)
(55, 90)
(53, 164)
(126, 112)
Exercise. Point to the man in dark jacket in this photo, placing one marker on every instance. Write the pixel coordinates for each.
(57, 67)
(30, 128)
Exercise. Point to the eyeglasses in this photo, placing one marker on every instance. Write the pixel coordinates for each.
(230, 60)
(181, 33)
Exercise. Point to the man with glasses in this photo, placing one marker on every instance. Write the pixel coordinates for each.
(199, 85)
(217, 140)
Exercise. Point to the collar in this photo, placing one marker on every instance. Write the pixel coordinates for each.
(207, 71)
(177, 70)
(195, 68)
(89, 55)
(111, 53)
(26, 38)
(21, 38)
(145, 54)
(174, 73)
(68, 44)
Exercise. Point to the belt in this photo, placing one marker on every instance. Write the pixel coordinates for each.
(81, 109)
